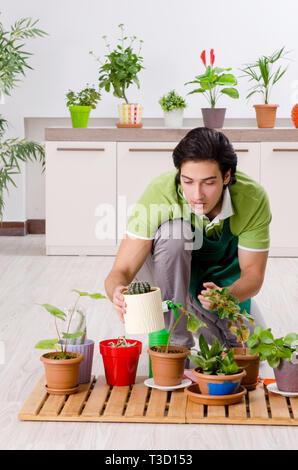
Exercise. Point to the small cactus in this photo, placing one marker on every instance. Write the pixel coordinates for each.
(139, 287)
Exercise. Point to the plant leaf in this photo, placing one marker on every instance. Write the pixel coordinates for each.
(46, 344)
(54, 311)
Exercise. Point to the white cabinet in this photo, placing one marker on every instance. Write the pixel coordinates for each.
(249, 157)
(80, 197)
(137, 164)
(279, 170)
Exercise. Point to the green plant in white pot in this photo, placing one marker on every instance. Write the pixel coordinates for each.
(80, 105)
(173, 106)
(119, 71)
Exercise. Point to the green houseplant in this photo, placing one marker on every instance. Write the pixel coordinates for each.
(213, 84)
(228, 308)
(172, 105)
(264, 76)
(217, 372)
(280, 353)
(14, 61)
(80, 105)
(62, 367)
(119, 71)
(168, 361)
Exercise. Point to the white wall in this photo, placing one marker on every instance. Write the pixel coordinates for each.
(174, 34)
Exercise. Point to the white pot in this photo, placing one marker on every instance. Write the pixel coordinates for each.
(130, 113)
(174, 119)
(144, 312)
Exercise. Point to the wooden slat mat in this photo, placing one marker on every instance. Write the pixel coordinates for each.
(98, 402)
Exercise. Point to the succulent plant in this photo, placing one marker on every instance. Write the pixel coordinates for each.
(139, 287)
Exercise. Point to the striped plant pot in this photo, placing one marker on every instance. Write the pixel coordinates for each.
(130, 114)
(87, 350)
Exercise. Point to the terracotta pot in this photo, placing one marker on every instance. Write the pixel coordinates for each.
(294, 115)
(62, 375)
(286, 376)
(218, 384)
(266, 114)
(251, 364)
(213, 117)
(168, 368)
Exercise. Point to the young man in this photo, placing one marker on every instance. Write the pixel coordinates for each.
(201, 226)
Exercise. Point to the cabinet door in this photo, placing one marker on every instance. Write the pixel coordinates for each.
(137, 164)
(248, 158)
(80, 197)
(279, 169)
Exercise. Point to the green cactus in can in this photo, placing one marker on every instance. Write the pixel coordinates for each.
(139, 287)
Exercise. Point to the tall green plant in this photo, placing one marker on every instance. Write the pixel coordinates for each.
(13, 63)
(263, 74)
(121, 67)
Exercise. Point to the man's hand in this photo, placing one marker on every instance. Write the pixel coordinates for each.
(206, 303)
(119, 302)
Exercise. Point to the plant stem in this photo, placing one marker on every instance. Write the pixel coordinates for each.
(59, 337)
(68, 326)
(124, 96)
(172, 330)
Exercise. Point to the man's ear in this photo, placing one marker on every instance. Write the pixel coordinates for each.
(227, 177)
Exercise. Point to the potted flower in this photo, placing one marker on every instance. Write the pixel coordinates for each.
(81, 344)
(119, 71)
(144, 312)
(217, 372)
(280, 353)
(80, 105)
(172, 105)
(213, 84)
(168, 361)
(261, 72)
(62, 367)
(120, 358)
(227, 306)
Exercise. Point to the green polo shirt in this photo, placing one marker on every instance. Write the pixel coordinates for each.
(246, 204)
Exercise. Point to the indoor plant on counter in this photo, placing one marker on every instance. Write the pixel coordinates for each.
(210, 85)
(280, 353)
(172, 105)
(119, 71)
(62, 367)
(228, 308)
(80, 105)
(261, 72)
(168, 361)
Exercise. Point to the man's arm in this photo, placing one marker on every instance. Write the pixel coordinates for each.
(130, 258)
(252, 265)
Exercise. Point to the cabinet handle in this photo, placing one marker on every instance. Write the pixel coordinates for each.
(76, 149)
(285, 150)
(151, 150)
(241, 150)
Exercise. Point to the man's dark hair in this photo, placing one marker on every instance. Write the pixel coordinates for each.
(201, 144)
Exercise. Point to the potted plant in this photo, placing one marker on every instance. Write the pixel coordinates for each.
(81, 344)
(261, 72)
(62, 367)
(168, 361)
(119, 71)
(280, 353)
(172, 105)
(217, 372)
(144, 312)
(80, 105)
(228, 307)
(213, 84)
(120, 358)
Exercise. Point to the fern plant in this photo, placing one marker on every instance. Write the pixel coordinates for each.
(13, 63)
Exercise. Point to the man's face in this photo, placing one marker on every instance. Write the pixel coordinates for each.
(202, 184)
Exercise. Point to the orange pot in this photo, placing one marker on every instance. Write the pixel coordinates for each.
(294, 115)
(168, 368)
(251, 364)
(62, 375)
(266, 115)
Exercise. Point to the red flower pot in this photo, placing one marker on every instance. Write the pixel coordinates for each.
(120, 363)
